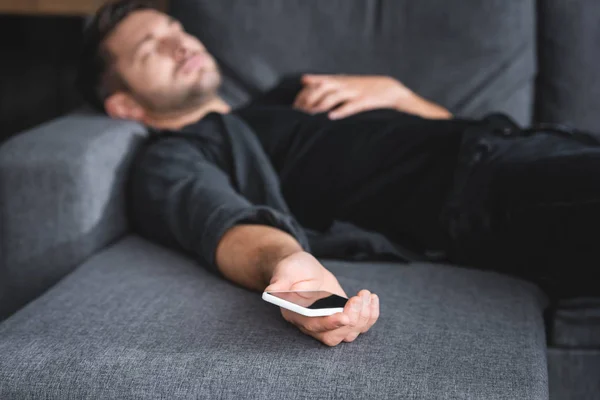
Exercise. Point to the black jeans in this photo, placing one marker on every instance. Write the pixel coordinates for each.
(527, 203)
(485, 194)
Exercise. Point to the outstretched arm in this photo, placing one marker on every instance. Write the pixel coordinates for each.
(264, 258)
(183, 199)
(345, 95)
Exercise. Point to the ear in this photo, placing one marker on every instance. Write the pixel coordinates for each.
(123, 106)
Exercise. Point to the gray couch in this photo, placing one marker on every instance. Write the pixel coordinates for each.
(92, 311)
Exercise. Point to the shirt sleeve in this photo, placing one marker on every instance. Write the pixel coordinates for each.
(180, 198)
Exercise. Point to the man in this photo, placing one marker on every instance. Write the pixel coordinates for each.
(250, 192)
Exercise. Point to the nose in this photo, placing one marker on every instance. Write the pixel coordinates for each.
(180, 52)
(173, 46)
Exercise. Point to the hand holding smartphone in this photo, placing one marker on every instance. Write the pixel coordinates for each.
(310, 303)
(327, 315)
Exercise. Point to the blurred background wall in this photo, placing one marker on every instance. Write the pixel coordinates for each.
(38, 56)
(39, 45)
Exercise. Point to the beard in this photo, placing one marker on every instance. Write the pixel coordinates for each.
(162, 102)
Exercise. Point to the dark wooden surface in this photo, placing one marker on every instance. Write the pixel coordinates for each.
(50, 7)
(55, 7)
(38, 57)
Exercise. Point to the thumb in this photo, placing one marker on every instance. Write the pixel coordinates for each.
(309, 79)
(286, 284)
(278, 285)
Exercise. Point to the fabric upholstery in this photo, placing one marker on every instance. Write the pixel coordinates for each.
(574, 374)
(140, 322)
(473, 59)
(576, 324)
(136, 321)
(61, 199)
(568, 88)
(574, 358)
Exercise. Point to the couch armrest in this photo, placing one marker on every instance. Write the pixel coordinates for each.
(62, 198)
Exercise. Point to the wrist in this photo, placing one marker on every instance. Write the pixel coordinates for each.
(247, 254)
(424, 108)
(271, 258)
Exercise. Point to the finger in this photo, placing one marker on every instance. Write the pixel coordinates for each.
(300, 98)
(374, 312)
(278, 285)
(331, 100)
(317, 93)
(352, 310)
(331, 338)
(351, 337)
(287, 316)
(365, 313)
(310, 79)
(349, 108)
(317, 336)
(350, 319)
(309, 87)
(326, 324)
(316, 324)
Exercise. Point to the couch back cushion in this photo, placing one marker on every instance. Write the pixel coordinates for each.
(472, 56)
(568, 89)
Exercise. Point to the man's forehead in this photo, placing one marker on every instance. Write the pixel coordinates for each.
(132, 29)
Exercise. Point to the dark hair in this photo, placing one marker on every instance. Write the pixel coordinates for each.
(97, 78)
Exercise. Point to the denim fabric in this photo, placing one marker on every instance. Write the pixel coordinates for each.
(526, 202)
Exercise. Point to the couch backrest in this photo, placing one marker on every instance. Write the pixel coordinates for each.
(472, 56)
(568, 88)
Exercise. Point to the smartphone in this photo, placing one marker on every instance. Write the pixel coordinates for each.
(311, 303)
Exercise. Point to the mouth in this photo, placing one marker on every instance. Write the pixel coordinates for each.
(192, 63)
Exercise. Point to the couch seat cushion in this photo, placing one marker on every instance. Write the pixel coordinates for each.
(137, 321)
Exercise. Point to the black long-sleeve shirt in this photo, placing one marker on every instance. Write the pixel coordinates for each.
(188, 187)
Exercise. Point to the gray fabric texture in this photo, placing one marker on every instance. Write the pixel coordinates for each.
(473, 59)
(140, 322)
(576, 324)
(61, 199)
(568, 89)
(574, 358)
(574, 374)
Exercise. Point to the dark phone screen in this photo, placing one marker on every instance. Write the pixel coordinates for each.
(315, 300)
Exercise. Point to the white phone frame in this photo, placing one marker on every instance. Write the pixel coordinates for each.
(299, 309)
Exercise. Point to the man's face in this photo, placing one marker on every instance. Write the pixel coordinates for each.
(165, 68)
